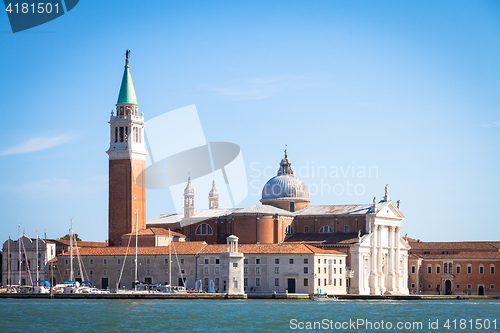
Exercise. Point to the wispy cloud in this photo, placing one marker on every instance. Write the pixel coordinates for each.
(493, 124)
(36, 144)
(259, 88)
(56, 187)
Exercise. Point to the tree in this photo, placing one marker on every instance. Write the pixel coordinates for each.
(66, 237)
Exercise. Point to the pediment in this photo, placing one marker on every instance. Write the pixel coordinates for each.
(389, 210)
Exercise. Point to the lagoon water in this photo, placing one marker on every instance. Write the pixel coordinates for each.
(62, 315)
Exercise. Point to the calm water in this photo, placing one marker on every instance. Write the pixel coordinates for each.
(237, 315)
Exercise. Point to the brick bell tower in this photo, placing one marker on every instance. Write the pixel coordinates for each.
(127, 162)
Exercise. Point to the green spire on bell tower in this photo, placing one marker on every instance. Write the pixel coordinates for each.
(127, 92)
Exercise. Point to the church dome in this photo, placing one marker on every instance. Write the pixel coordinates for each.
(285, 186)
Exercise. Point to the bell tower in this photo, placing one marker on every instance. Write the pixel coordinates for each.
(127, 162)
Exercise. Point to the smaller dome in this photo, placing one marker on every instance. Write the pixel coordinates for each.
(189, 189)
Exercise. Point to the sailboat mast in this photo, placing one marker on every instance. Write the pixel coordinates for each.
(20, 258)
(136, 226)
(37, 278)
(170, 258)
(71, 251)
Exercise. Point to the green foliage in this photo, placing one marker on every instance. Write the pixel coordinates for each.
(66, 237)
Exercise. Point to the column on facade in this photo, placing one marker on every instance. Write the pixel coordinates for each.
(379, 260)
(399, 275)
(391, 260)
(373, 283)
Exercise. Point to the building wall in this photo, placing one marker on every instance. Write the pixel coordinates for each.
(124, 197)
(312, 224)
(29, 253)
(421, 281)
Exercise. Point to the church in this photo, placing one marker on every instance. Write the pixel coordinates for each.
(367, 234)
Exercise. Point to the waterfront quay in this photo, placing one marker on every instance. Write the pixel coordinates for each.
(280, 296)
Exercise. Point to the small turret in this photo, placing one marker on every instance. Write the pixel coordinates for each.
(188, 200)
(213, 197)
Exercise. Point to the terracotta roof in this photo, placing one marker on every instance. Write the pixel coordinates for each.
(478, 246)
(154, 231)
(180, 248)
(462, 255)
(81, 243)
(269, 248)
(263, 210)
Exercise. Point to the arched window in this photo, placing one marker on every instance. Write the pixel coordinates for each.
(326, 230)
(204, 229)
(289, 229)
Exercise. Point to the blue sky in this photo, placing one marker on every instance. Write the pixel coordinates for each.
(409, 89)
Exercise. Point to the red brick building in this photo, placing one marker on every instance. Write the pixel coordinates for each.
(454, 268)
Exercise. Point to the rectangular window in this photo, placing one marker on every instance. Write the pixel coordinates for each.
(481, 270)
(235, 283)
(340, 270)
(257, 261)
(91, 272)
(148, 261)
(319, 270)
(205, 270)
(429, 286)
(276, 281)
(166, 273)
(334, 282)
(492, 270)
(216, 281)
(324, 268)
(346, 228)
(319, 261)
(126, 134)
(334, 270)
(277, 261)
(104, 272)
(235, 264)
(340, 282)
(276, 270)
(438, 269)
(325, 282)
(245, 282)
(122, 131)
(306, 229)
(183, 271)
(257, 282)
(182, 260)
(469, 286)
(306, 270)
(429, 269)
(104, 261)
(91, 261)
(217, 270)
(116, 134)
(413, 285)
(207, 261)
(340, 261)
(319, 282)
(66, 261)
(458, 286)
(217, 261)
(306, 282)
(290, 261)
(306, 261)
(458, 269)
(166, 261)
(492, 286)
(334, 261)
(257, 270)
(469, 269)
(245, 270)
(245, 261)
(119, 261)
(325, 261)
